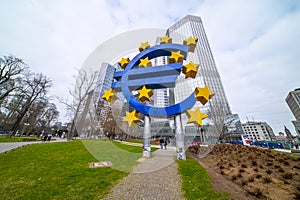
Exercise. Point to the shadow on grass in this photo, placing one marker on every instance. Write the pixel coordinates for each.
(123, 157)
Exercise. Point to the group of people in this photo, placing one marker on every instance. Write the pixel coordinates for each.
(163, 143)
(46, 137)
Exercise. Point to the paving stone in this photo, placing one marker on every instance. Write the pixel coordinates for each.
(155, 178)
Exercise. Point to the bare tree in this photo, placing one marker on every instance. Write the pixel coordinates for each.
(85, 83)
(10, 70)
(217, 115)
(43, 113)
(34, 86)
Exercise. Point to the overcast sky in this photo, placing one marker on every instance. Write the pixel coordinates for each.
(256, 44)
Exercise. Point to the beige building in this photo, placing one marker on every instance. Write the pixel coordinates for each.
(258, 131)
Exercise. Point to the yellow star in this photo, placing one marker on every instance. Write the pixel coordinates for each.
(131, 118)
(165, 40)
(144, 94)
(190, 69)
(203, 94)
(145, 62)
(109, 95)
(191, 42)
(196, 117)
(143, 46)
(124, 62)
(176, 57)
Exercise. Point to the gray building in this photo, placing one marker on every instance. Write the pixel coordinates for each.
(258, 131)
(207, 75)
(293, 101)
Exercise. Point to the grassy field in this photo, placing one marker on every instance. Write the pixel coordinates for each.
(196, 183)
(61, 170)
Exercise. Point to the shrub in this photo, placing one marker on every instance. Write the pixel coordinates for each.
(260, 166)
(258, 176)
(297, 167)
(287, 175)
(280, 169)
(255, 169)
(256, 192)
(269, 163)
(254, 163)
(267, 179)
(268, 171)
(233, 177)
(244, 165)
(241, 170)
(286, 163)
(251, 179)
(297, 195)
(244, 182)
(276, 166)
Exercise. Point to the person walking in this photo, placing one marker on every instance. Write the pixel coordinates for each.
(165, 143)
(161, 142)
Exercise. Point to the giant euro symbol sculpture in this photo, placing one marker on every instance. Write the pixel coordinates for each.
(139, 75)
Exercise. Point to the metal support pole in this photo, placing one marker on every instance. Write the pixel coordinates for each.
(179, 139)
(147, 137)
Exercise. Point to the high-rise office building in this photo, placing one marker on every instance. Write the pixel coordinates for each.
(293, 101)
(207, 73)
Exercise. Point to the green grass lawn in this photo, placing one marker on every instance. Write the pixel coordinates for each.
(196, 183)
(61, 170)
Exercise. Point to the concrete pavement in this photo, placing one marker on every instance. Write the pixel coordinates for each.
(9, 146)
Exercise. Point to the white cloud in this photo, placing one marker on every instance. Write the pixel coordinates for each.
(255, 43)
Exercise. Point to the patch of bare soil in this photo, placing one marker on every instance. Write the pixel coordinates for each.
(252, 172)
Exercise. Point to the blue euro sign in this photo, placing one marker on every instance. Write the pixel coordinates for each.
(155, 78)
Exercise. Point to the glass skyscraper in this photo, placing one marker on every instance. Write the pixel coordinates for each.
(207, 72)
(207, 75)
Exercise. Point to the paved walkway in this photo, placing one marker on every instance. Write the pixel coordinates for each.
(9, 146)
(154, 178)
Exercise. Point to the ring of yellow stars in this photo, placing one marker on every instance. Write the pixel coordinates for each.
(131, 118)
(144, 94)
(145, 62)
(124, 62)
(109, 95)
(190, 69)
(191, 43)
(143, 46)
(165, 40)
(203, 94)
(196, 117)
(176, 57)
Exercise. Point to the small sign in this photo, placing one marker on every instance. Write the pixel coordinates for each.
(100, 164)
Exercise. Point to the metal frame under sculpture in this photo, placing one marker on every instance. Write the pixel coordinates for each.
(138, 75)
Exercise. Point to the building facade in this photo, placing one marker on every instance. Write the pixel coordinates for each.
(293, 101)
(207, 75)
(258, 131)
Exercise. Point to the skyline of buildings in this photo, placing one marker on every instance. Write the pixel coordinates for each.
(207, 75)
